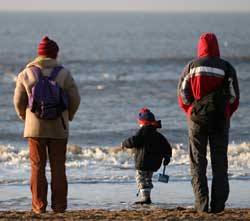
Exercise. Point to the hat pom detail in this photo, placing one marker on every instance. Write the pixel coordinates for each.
(144, 110)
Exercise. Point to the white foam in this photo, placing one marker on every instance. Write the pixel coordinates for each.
(8, 77)
(239, 159)
(112, 163)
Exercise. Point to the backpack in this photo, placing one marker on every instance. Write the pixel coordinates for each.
(211, 108)
(48, 100)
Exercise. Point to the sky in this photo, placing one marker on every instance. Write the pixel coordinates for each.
(127, 5)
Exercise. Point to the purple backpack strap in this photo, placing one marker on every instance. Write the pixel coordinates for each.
(55, 72)
(37, 71)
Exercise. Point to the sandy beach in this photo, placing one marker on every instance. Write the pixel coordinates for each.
(178, 213)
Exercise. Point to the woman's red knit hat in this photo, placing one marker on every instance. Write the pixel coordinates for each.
(47, 48)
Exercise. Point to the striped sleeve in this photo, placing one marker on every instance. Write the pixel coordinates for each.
(184, 87)
(234, 91)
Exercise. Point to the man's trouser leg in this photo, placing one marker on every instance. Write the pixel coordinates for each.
(38, 182)
(220, 185)
(59, 186)
(198, 139)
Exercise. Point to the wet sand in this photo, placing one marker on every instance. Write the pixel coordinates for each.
(178, 213)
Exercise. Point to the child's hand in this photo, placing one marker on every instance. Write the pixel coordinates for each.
(122, 146)
(166, 160)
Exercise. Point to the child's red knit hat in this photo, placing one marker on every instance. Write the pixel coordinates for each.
(147, 117)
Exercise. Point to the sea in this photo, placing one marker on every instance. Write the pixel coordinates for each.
(121, 62)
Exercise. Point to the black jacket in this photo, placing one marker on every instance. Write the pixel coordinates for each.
(150, 148)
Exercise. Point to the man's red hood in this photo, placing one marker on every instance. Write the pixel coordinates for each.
(208, 46)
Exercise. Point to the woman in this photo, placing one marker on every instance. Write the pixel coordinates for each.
(46, 135)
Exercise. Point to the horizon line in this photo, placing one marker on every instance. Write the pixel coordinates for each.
(127, 11)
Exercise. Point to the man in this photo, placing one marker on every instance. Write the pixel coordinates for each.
(46, 135)
(204, 79)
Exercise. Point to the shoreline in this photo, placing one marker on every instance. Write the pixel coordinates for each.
(121, 196)
(178, 213)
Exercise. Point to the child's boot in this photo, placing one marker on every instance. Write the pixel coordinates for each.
(145, 196)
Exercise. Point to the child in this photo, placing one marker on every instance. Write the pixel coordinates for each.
(151, 147)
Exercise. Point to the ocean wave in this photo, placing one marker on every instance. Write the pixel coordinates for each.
(10, 68)
(89, 165)
(157, 60)
(8, 77)
(77, 156)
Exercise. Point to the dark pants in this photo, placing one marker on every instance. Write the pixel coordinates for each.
(217, 136)
(56, 149)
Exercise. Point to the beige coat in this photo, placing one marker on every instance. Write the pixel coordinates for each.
(35, 127)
